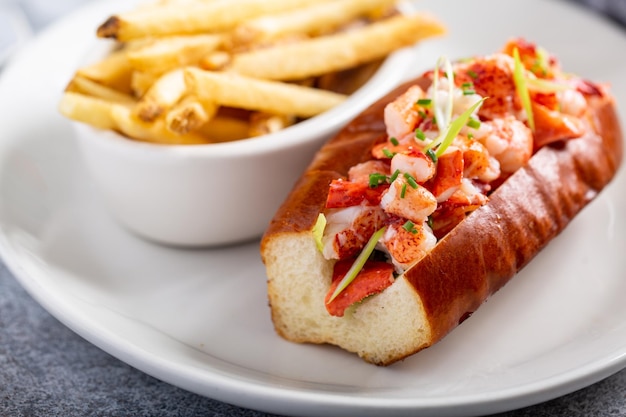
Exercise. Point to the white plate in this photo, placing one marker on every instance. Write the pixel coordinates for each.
(199, 319)
(14, 31)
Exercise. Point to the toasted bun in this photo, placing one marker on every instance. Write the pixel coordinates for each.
(468, 265)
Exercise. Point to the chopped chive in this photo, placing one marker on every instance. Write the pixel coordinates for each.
(422, 114)
(409, 226)
(473, 123)
(472, 74)
(470, 136)
(403, 191)
(429, 221)
(420, 134)
(409, 178)
(394, 141)
(394, 175)
(377, 179)
(432, 155)
(467, 85)
(388, 153)
(425, 102)
(469, 92)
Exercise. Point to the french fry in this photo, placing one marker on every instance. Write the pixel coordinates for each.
(91, 110)
(325, 54)
(189, 115)
(314, 19)
(204, 71)
(219, 59)
(83, 85)
(114, 71)
(264, 123)
(225, 129)
(172, 19)
(141, 81)
(167, 53)
(215, 61)
(164, 93)
(349, 80)
(108, 115)
(234, 90)
(130, 125)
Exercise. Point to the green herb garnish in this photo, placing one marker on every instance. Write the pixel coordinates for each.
(409, 178)
(542, 62)
(430, 153)
(377, 179)
(419, 134)
(358, 264)
(403, 191)
(468, 89)
(388, 153)
(443, 111)
(522, 89)
(450, 102)
(473, 123)
(318, 231)
(424, 102)
(444, 140)
(409, 226)
(545, 86)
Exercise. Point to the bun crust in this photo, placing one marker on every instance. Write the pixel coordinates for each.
(470, 263)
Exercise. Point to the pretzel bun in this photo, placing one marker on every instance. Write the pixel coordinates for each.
(465, 267)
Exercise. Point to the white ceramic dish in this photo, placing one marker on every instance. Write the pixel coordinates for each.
(14, 30)
(198, 318)
(220, 193)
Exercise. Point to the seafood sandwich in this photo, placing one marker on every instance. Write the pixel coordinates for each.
(433, 198)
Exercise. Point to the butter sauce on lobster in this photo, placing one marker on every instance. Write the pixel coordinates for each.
(433, 198)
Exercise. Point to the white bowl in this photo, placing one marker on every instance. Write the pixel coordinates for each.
(216, 194)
